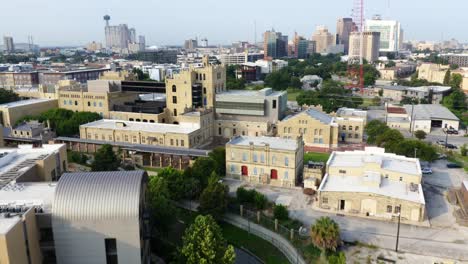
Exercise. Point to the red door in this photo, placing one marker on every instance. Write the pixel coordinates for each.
(245, 171)
(274, 174)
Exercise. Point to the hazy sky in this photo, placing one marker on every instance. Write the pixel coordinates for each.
(66, 22)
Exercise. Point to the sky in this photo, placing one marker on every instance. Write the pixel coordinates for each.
(66, 22)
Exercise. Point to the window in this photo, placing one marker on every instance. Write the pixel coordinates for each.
(316, 140)
(350, 128)
(244, 157)
(76, 102)
(111, 250)
(356, 128)
(321, 140)
(255, 171)
(342, 171)
(273, 160)
(131, 119)
(305, 130)
(94, 104)
(172, 141)
(262, 158)
(181, 142)
(286, 161)
(89, 103)
(285, 177)
(315, 131)
(174, 88)
(70, 102)
(100, 104)
(65, 102)
(397, 209)
(285, 130)
(218, 75)
(289, 130)
(320, 132)
(389, 208)
(274, 104)
(356, 135)
(174, 99)
(254, 157)
(232, 155)
(300, 130)
(343, 127)
(219, 131)
(233, 168)
(401, 178)
(324, 200)
(234, 132)
(175, 112)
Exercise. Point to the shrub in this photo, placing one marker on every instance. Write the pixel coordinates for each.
(281, 212)
(260, 201)
(245, 196)
(464, 150)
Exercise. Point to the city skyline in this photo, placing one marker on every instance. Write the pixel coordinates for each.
(58, 24)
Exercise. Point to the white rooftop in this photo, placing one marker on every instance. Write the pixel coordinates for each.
(24, 102)
(274, 142)
(6, 223)
(357, 184)
(430, 111)
(28, 194)
(249, 93)
(347, 112)
(182, 128)
(387, 161)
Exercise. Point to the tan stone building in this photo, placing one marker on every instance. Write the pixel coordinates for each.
(370, 49)
(195, 87)
(315, 127)
(432, 72)
(323, 39)
(265, 160)
(351, 123)
(184, 135)
(373, 183)
(14, 111)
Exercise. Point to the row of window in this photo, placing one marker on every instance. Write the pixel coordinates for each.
(70, 102)
(262, 158)
(390, 208)
(141, 120)
(149, 140)
(303, 131)
(256, 171)
(350, 128)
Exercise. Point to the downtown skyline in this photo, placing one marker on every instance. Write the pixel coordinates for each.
(170, 23)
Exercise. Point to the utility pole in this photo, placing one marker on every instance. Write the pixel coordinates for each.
(398, 229)
(415, 152)
(446, 138)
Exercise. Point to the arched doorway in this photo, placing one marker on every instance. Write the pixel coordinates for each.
(245, 171)
(274, 174)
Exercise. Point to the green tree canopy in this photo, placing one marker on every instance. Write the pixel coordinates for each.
(390, 140)
(219, 156)
(176, 183)
(419, 134)
(105, 159)
(203, 243)
(424, 151)
(373, 129)
(325, 234)
(281, 212)
(7, 96)
(214, 198)
(163, 211)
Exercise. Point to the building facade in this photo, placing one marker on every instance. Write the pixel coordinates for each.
(14, 111)
(391, 33)
(275, 45)
(370, 48)
(344, 27)
(323, 39)
(372, 183)
(265, 160)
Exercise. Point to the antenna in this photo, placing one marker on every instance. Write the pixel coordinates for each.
(107, 18)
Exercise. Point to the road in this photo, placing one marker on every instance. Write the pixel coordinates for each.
(445, 238)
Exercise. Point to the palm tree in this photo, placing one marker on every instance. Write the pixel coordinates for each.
(325, 234)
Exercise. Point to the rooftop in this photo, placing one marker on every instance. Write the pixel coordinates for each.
(316, 114)
(396, 110)
(357, 184)
(387, 161)
(16, 161)
(28, 194)
(347, 112)
(250, 93)
(182, 128)
(24, 102)
(274, 142)
(430, 111)
(7, 223)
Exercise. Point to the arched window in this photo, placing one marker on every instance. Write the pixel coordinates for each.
(174, 88)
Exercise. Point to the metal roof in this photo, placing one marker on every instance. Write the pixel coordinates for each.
(430, 111)
(98, 196)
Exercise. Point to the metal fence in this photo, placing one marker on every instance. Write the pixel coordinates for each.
(287, 245)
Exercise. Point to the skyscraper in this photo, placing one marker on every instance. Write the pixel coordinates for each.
(370, 49)
(323, 39)
(391, 34)
(191, 44)
(8, 44)
(132, 35)
(275, 44)
(142, 42)
(344, 26)
(118, 36)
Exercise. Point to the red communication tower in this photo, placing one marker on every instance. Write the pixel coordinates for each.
(358, 19)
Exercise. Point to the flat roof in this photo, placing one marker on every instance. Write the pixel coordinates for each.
(387, 161)
(25, 102)
(430, 111)
(344, 111)
(357, 184)
(7, 223)
(265, 92)
(16, 161)
(28, 194)
(396, 110)
(274, 142)
(182, 128)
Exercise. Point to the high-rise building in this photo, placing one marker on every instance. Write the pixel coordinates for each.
(132, 35)
(370, 49)
(344, 27)
(119, 36)
(142, 42)
(275, 44)
(191, 44)
(391, 34)
(8, 44)
(323, 39)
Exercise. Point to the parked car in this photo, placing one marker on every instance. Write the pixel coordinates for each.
(452, 131)
(426, 170)
(440, 142)
(451, 146)
(453, 165)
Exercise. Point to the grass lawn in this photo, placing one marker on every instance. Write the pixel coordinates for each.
(366, 102)
(315, 156)
(259, 247)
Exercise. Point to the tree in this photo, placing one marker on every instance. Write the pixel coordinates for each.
(141, 75)
(105, 159)
(390, 139)
(376, 101)
(447, 77)
(455, 81)
(201, 170)
(419, 134)
(176, 183)
(214, 198)
(163, 211)
(260, 201)
(337, 258)
(464, 150)
(203, 242)
(219, 156)
(381, 92)
(373, 129)
(295, 82)
(424, 151)
(325, 234)
(281, 212)
(7, 96)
